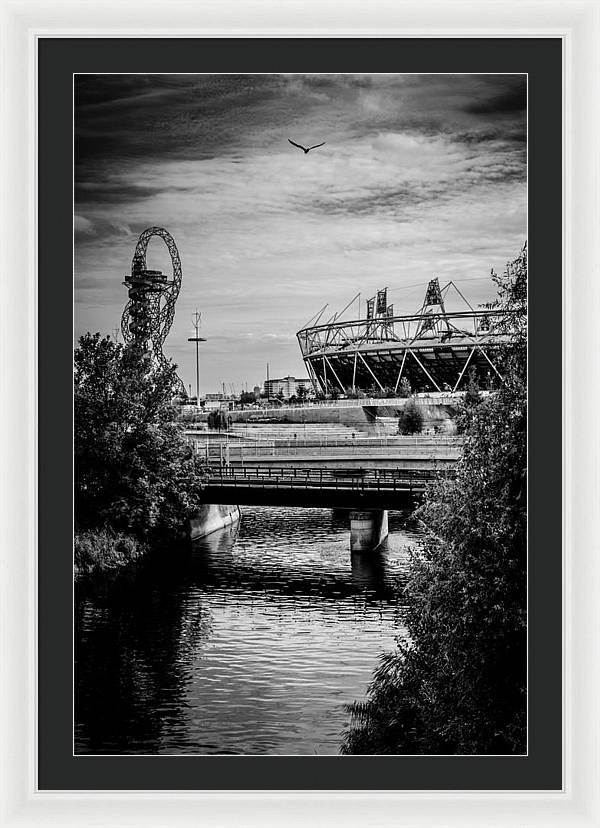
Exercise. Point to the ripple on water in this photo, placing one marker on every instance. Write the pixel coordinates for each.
(253, 644)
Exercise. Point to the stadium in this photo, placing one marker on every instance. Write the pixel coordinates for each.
(434, 350)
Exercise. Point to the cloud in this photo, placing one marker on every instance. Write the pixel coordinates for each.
(82, 225)
(511, 99)
(99, 230)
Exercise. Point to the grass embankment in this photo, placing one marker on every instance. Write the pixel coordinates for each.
(98, 551)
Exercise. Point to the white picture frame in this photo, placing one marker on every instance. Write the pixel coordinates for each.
(578, 24)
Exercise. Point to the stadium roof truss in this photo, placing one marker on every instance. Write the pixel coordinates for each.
(434, 349)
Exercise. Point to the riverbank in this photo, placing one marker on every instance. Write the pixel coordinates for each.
(98, 551)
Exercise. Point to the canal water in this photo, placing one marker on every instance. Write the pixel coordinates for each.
(253, 644)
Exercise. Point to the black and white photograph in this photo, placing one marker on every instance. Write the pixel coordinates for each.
(300, 414)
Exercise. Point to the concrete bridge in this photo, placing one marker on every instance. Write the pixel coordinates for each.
(365, 475)
(368, 493)
(352, 488)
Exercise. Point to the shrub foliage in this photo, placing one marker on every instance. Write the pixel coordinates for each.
(410, 420)
(100, 550)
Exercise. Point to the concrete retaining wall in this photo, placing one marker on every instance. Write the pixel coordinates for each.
(211, 517)
(440, 416)
(351, 415)
(434, 415)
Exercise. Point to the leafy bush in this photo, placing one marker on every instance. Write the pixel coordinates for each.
(404, 390)
(410, 420)
(100, 550)
(247, 398)
(472, 394)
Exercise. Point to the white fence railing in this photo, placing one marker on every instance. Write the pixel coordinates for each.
(236, 451)
(363, 443)
(440, 397)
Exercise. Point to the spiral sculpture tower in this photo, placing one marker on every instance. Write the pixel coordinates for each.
(150, 310)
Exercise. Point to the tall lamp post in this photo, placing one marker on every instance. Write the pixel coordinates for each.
(197, 339)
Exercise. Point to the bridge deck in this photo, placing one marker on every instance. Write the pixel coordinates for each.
(359, 488)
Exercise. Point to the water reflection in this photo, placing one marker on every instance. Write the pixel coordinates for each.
(368, 571)
(252, 643)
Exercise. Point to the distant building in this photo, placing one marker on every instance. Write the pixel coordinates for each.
(286, 387)
(189, 407)
(212, 405)
(257, 392)
(217, 399)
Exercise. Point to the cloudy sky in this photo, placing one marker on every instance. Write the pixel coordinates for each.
(421, 176)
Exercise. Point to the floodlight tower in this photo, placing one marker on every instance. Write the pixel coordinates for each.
(197, 339)
(433, 312)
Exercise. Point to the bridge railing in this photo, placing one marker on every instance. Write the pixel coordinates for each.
(360, 442)
(325, 480)
(274, 473)
(300, 439)
(439, 397)
(299, 433)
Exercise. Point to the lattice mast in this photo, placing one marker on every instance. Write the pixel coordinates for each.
(433, 312)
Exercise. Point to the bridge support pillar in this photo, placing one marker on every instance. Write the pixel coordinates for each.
(368, 530)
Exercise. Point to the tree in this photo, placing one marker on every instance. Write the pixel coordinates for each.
(472, 394)
(410, 420)
(457, 682)
(247, 398)
(405, 389)
(471, 398)
(134, 471)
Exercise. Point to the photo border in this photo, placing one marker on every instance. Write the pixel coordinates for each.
(541, 765)
(578, 25)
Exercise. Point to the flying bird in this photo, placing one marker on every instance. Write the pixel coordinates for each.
(305, 149)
